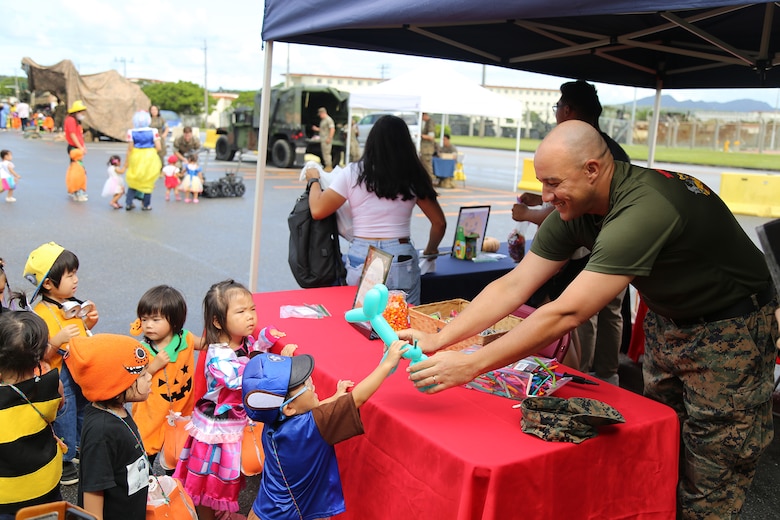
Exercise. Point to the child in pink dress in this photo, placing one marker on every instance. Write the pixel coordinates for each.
(210, 463)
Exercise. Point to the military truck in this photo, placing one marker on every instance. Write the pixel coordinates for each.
(290, 135)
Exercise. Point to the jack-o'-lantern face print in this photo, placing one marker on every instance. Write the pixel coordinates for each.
(177, 386)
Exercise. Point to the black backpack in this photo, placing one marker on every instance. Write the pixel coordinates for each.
(314, 255)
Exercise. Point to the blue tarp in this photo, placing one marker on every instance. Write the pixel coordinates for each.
(667, 44)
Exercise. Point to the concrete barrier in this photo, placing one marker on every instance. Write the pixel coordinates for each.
(751, 193)
(528, 181)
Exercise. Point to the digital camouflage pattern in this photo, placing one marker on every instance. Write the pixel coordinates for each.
(718, 377)
(566, 420)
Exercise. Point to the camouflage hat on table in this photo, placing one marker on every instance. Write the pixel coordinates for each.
(566, 420)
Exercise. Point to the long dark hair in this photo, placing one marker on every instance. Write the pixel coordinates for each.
(390, 166)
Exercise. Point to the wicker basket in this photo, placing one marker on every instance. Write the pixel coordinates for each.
(421, 319)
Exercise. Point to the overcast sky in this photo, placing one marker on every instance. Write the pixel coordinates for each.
(165, 40)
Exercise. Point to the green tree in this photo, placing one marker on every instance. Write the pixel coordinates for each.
(8, 85)
(183, 97)
(245, 98)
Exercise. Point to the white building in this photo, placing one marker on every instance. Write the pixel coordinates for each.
(539, 100)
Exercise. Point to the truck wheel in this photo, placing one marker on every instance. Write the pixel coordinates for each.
(223, 149)
(282, 155)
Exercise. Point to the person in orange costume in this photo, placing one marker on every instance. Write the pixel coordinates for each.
(162, 311)
(76, 178)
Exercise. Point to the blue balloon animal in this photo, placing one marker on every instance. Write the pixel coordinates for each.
(374, 304)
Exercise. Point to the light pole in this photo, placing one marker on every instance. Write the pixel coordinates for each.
(123, 61)
(205, 87)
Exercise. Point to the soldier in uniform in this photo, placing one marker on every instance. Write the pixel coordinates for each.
(428, 144)
(327, 130)
(710, 354)
(185, 144)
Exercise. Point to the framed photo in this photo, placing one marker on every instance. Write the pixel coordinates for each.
(375, 270)
(473, 219)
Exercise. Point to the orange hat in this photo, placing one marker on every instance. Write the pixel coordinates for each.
(105, 365)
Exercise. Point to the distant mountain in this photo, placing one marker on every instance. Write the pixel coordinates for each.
(669, 103)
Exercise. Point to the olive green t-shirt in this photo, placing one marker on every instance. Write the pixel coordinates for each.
(689, 255)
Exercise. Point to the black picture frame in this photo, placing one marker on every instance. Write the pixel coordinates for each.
(375, 270)
(473, 219)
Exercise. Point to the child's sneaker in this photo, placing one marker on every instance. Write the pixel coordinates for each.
(194, 201)
(178, 197)
(10, 199)
(167, 197)
(70, 474)
(187, 200)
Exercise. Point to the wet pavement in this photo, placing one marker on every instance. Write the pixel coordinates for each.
(123, 253)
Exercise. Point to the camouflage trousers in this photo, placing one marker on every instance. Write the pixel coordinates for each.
(426, 158)
(327, 158)
(718, 377)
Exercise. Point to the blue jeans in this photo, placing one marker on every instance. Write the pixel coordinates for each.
(130, 196)
(67, 425)
(403, 276)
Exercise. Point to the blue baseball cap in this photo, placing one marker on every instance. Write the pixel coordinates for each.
(266, 381)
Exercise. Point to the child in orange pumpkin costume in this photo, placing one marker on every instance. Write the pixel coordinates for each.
(162, 311)
(76, 178)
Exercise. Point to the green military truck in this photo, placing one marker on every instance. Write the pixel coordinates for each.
(290, 134)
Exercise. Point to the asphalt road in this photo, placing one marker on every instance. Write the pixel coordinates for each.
(123, 253)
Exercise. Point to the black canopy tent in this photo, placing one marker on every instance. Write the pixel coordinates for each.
(656, 44)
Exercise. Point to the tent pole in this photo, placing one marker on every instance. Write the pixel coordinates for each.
(262, 152)
(517, 154)
(654, 125)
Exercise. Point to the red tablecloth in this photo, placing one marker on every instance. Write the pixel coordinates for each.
(461, 454)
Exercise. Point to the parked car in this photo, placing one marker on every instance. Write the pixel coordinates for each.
(172, 118)
(411, 118)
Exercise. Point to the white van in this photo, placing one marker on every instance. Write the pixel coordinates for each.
(365, 124)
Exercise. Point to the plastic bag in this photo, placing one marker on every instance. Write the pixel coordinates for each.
(344, 213)
(397, 310)
(306, 310)
(516, 239)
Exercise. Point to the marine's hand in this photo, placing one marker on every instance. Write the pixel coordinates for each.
(426, 341)
(520, 212)
(530, 199)
(441, 371)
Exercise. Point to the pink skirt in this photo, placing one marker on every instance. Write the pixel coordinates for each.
(211, 473)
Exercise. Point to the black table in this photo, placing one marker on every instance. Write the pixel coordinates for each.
(463, 278)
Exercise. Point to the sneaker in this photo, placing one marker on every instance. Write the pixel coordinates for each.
(129, 207)
(167, 197)
(10, 199)
(187, 200)
(70, 474)
(194, 201)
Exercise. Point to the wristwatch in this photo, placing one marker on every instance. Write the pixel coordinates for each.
(312, 181)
